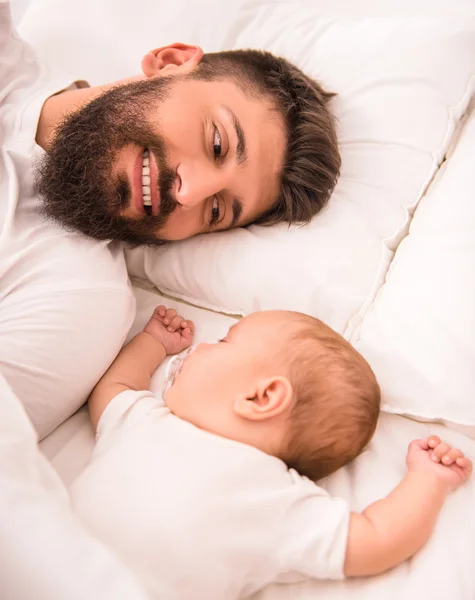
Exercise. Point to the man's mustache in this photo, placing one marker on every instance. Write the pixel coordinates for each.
(168, 203)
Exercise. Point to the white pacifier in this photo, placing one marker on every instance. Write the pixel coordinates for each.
(174, 367)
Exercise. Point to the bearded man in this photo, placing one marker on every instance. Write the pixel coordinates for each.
(196, 143)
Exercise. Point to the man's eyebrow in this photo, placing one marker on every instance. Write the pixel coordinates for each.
(237, 210)
(241, 153)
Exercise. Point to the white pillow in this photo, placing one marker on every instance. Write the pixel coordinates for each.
(403, 86)
(420, 333)
(105, 40)
(402, 83)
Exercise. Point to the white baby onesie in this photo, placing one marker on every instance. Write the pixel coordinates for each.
(201, 517)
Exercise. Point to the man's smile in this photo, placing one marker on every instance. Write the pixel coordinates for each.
(145, 196)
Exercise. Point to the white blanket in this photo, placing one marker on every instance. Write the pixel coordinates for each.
(45, 552)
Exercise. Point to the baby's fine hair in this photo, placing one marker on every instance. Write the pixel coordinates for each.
(336, 400)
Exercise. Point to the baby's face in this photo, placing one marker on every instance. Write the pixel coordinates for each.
(215, 375)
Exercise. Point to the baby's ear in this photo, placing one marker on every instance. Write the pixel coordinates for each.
(271, 397)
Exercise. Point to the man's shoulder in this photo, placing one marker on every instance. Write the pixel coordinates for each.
(86, 262)
(47, 260)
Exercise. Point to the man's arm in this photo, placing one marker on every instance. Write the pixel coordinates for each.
(393, 529)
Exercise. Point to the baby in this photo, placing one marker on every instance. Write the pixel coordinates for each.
(207, 494)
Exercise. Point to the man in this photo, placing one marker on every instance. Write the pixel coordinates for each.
(198, 143)
(195, 144)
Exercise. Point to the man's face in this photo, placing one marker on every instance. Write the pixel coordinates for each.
(164, 159)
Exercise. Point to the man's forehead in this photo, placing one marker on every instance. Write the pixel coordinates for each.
(267, 140)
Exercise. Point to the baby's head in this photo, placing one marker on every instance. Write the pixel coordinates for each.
(285, 383)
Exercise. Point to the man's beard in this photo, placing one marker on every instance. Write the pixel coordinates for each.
(74, 178)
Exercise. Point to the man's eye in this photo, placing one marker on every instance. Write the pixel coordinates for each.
(214, 212)
(217, 143)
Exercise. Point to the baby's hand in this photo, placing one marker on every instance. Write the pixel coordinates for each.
(447, 463)
(170, 329)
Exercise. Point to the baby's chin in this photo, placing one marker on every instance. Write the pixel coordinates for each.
(184, 410)
(170, 401)
(177, 405)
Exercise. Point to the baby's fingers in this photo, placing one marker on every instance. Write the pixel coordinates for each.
(439, 451)
(451, 456)
(175, 323)
(465, 464)
(433, 441)
(169, 316)
(161, 310)
(188, 330)
(159, 313)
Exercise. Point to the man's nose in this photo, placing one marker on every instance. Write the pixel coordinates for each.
(197, 182)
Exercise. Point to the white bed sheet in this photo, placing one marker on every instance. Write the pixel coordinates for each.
(443, 569)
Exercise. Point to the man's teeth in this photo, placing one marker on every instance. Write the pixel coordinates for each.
(147, 198)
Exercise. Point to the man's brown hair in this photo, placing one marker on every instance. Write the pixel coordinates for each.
(336, 401)
(312, 161)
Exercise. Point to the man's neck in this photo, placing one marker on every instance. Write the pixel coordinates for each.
(60, 106)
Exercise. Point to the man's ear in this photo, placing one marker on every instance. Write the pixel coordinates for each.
(175, 58)
(271, 397)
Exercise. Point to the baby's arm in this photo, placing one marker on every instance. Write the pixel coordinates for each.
(165, 333)
(396, 527)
